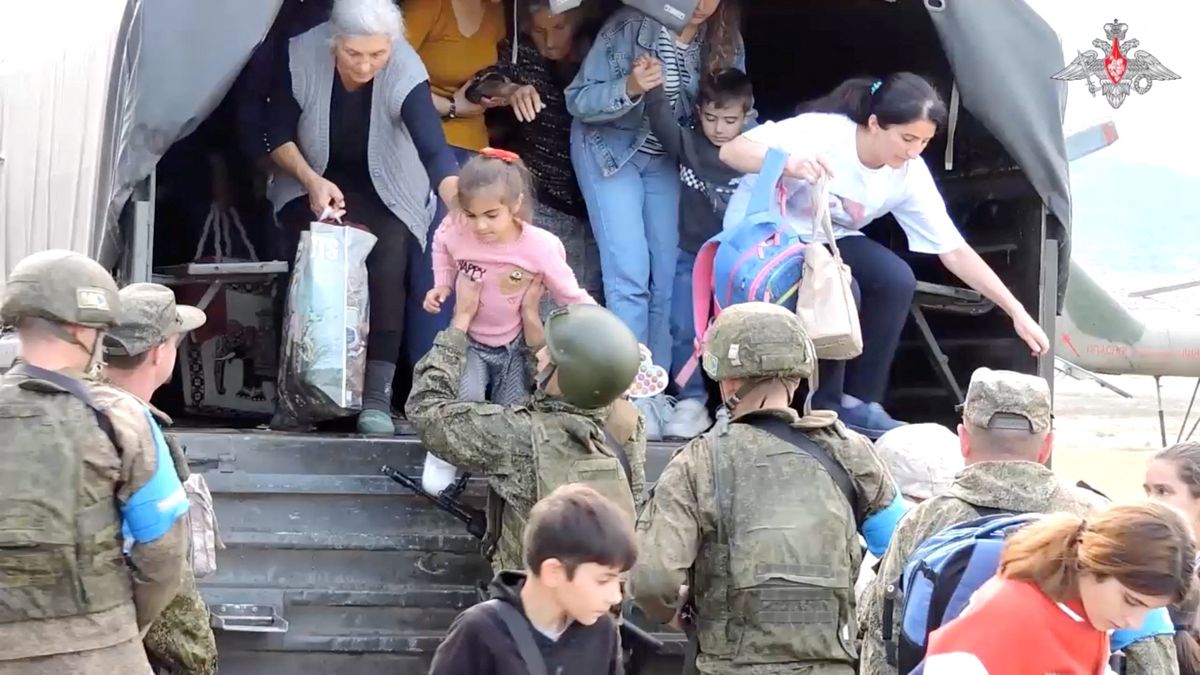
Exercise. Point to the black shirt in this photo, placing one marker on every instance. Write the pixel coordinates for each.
(479, 643)
(349, 130)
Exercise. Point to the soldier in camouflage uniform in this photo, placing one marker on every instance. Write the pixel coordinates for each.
(589, 359)
(756, 526)
(1007, 440)
(68, 602)
(140, 351)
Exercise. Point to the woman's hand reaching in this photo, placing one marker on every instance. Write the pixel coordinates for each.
(1031, 332)
(811, 169)
(323, 195)
(526, 103)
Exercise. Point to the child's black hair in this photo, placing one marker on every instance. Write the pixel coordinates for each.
(576, 525)
(899, 98)
(726, 87)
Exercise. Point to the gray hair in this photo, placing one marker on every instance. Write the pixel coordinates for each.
(357, 18)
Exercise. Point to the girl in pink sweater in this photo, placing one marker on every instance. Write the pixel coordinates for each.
(489, 239)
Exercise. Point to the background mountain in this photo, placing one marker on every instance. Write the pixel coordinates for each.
(1135, 218)
(1137, 225)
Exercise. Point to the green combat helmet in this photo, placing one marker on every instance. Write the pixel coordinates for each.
(62, 287)
(758, 340)
(595, 354)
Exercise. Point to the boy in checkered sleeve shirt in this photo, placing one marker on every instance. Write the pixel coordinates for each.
(722, 110)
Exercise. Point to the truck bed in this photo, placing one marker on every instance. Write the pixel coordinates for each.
(366, 575)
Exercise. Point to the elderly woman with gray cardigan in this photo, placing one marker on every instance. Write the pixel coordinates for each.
(353, 131)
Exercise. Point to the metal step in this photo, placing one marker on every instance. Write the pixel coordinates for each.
(365, 576)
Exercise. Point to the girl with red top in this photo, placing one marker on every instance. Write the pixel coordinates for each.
(1064, 584)
(489, 240)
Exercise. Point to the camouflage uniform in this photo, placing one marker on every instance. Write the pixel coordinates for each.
(69, 605)
(180, 639)
(526, 451)
(756, 528)
(1013, 486)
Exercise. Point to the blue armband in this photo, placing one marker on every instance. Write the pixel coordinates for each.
(155, 507)
(878, 528)
(1158, 622)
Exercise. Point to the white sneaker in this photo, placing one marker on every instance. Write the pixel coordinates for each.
(655, 410)
(689, 419)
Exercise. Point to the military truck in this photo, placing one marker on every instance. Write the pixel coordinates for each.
(328, 566)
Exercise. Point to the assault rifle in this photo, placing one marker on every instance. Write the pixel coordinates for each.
(446, 500)
(637, 644)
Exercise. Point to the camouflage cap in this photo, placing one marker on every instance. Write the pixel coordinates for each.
(757, 340)
(999, 399)
(923, 458)
(148, 317)
(60, 286)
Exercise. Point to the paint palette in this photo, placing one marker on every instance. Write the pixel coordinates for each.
(650, 380)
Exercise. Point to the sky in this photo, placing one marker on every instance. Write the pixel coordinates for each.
(1153, 127)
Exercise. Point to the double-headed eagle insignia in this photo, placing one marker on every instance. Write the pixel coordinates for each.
(1110, 71)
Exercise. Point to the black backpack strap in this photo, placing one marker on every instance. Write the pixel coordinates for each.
(522, 634)
(785, 432)
(75, 388)
(619, 450)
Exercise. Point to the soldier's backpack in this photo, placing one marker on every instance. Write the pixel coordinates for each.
(938, 580)
(761, 259)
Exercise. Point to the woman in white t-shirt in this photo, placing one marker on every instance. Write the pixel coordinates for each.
(867, 137)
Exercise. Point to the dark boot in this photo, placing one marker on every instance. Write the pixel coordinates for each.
(376, 416)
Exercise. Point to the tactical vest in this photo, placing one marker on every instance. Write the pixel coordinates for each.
(60, 529)
(559, 459)
(775, 583)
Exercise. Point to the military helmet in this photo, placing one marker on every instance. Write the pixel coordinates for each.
(61, 286)
(594, 352)
(756, 340)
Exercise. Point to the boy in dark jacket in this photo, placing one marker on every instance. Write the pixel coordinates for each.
(577, 544)
(725, 100)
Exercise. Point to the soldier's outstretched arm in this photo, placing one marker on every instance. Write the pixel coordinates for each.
(669, 532)
(153, 503)
(474, 436)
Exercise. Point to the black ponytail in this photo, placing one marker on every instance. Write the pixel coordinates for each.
(899, 98)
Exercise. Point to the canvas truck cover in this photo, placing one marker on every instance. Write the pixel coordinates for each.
(84, 119)
(1003, 54)
(86, 115)
(57, 106)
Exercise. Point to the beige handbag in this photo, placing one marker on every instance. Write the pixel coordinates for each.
(202, 526)
(825, 301)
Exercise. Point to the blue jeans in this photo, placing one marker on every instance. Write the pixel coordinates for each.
(683, 329)
(885, 285)
(635, 217)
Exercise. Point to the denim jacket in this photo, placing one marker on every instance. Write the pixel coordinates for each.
(613, 125)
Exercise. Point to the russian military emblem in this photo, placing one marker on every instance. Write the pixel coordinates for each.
(1114, 68)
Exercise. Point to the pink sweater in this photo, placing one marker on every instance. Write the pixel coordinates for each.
(506, 271)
